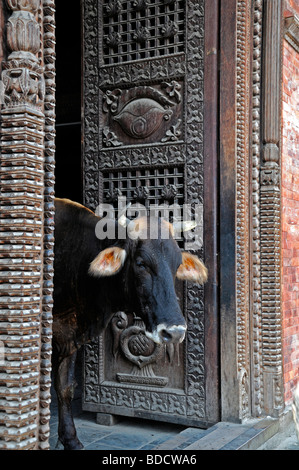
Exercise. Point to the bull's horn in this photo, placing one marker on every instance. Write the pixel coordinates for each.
(184, 226)
(122, 219)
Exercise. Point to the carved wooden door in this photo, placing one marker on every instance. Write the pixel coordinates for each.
(143, 103)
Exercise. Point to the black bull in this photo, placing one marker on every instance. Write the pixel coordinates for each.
(93, 279)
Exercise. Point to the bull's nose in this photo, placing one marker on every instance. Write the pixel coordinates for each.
(172, 334)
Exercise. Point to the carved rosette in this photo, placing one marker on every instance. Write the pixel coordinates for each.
(141, 193)
(24, 324)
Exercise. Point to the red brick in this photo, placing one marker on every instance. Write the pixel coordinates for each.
(290, 211)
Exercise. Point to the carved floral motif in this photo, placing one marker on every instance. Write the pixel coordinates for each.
(113, 196)
(169, 29)
(25, 5)
(23, 32)
(113, 40)
(174, 133)
(140, 5)
(173, 89)
(113, 7)
(110, 139)
(141, 193)
(169, 192)
(141, 34)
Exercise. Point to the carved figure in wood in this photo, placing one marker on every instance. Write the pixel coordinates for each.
(95, 278)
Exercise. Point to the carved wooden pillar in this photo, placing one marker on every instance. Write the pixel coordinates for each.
(48, 254)
(255, 256)
(270, 210)
(243, 104)
(234, 209)
(250, 311)
(25, 253)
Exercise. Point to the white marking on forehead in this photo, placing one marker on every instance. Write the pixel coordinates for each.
(145, 227)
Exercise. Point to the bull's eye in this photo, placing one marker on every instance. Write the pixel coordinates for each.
(140, 264)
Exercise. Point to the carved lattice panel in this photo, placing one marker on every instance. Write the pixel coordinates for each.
(149, 185)
(142, 29)
(143, 140)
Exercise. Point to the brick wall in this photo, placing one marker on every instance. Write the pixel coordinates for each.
(290, 211)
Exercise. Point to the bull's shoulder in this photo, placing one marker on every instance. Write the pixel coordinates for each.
(71, 212)
(76, 244)
(66, 205)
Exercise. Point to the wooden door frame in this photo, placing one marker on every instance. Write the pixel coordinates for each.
(211, 110)
(249, 214)
(227, 150)
(232, 385)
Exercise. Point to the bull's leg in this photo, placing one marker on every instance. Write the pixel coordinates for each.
(65, 384)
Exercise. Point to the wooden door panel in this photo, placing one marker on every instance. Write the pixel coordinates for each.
(143, 139)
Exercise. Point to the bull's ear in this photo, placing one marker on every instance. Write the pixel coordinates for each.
(108, 262)
(192, 269)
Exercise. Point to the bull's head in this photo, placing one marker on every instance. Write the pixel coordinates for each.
(152, 266)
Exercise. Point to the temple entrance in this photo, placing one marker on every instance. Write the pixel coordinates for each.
(145, 139)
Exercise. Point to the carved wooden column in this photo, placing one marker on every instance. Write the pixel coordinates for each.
(270, 210)
(234, 209)
(48, 254)
(251, 380)
(25, 302)
(255, 256)
(243, 107)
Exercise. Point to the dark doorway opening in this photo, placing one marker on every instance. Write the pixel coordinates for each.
(68, 173)
(68, 101)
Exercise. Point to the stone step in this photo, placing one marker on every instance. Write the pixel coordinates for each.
(224, 436)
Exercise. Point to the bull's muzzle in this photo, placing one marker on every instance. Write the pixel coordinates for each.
(167, 334)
